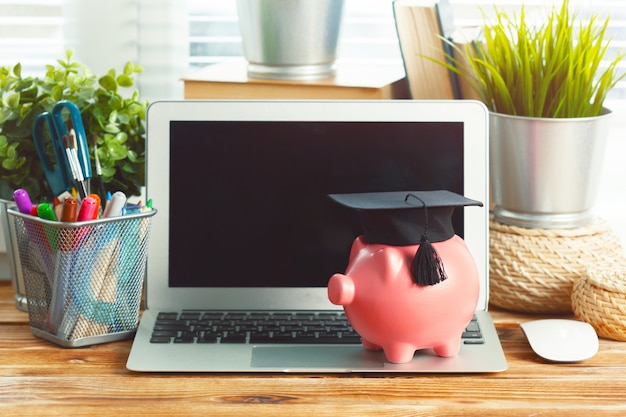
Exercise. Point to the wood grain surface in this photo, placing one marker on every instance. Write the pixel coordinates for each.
(40, 378)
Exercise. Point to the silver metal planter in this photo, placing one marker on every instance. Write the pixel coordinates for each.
(10, 238)
(544, 172)
(290, 39)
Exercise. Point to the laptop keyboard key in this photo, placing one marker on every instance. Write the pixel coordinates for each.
(234, 337)
(207, 338)
(160, 339)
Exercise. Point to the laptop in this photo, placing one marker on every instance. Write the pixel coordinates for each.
(246, 237)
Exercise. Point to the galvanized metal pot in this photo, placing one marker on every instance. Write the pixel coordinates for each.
(10, 238)
(544, 172)
(290, 39)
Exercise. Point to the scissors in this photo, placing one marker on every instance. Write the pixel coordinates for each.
(68, 145)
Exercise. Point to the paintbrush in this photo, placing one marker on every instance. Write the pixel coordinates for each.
(102, 191)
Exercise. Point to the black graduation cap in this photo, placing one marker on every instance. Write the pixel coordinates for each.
(401, 218)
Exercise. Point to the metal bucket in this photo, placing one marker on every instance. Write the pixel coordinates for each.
(544, 172)
(10, 238)
(290, 39)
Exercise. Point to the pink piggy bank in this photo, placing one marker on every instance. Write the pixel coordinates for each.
(391, 312)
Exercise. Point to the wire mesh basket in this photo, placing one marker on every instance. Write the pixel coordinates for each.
(83, 280)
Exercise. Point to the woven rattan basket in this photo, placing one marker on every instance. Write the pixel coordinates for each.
(599, 298)
(534, 270)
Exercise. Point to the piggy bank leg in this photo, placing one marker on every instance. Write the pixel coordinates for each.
(399, 352)
(451, 348)
(369, 345)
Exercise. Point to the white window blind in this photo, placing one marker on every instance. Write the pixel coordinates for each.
(170, 37)
(31, 32)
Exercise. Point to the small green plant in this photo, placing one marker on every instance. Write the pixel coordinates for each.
(553, 70)
(116, 121)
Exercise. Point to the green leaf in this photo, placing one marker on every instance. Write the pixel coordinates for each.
(116, 151)
(108, 83)
(129, 68)
(124, 80)
(17, 70)
(12, 101)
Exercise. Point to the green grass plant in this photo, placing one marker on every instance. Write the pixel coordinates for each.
(552, 70)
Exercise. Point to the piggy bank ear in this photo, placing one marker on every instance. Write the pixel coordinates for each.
(358, 244)
(388, 262)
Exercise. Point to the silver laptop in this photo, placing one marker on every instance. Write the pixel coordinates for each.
(246, 237)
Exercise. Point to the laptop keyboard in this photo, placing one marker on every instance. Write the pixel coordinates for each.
(266, 327)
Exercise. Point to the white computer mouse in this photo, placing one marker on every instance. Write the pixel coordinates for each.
(561, 340)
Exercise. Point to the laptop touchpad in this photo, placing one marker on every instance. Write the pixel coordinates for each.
(315, 357)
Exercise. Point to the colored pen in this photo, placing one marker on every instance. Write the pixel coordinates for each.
(22, 200)
(88, 209)
(96, 197)
(101, 189)
(115, 205)
(45, 211)
(70, 210)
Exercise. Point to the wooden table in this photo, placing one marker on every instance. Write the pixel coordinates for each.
(39, 378)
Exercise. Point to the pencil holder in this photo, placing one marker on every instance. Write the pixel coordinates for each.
(83, 280)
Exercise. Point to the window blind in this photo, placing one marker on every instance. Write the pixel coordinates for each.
(31, 32)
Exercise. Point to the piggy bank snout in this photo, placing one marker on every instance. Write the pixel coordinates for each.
(340, 289)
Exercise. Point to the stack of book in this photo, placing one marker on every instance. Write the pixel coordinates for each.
(422, 26)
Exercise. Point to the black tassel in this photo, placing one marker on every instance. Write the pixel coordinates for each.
(427, 265)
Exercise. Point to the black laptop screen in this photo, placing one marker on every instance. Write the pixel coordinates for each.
(249, 202)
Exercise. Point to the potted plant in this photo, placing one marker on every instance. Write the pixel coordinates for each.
(545, 87)
(116, 121)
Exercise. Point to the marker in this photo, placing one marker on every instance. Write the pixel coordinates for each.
(70, 209)
(44, 211)
(132, 209)
(96, 213)
(115, 205)
(22, 199)
(88, 209)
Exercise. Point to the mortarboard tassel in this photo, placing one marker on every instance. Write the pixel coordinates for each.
(427, 265)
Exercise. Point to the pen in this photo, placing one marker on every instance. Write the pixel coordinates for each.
(96, 213)
(22, 200)
(115, 205)
(46, 212)
(61, 281)
(24, 205)
(70, 208)
(88, 209)
(101, 189)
